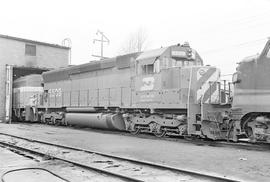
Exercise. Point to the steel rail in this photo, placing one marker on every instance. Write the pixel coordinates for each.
(259, 146)
(126, 178)
(141, 162)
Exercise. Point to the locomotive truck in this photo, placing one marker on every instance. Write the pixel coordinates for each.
(166, 91)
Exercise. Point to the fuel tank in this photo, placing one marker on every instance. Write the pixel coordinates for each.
(96, 120)
(81, 110)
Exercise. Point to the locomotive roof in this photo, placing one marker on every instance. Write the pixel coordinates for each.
(256, 56)
(150, 56)
(123, 61)
(250, 58)
(29, 80)
(180, 51)
(120, 62)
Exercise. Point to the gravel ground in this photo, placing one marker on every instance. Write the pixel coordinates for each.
(244, 165)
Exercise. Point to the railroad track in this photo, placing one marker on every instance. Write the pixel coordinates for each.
(195, 141)
(126, 169)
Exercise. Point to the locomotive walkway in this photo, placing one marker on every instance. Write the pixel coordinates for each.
(231, 163)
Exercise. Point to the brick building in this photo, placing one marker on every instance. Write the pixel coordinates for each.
(26, 57)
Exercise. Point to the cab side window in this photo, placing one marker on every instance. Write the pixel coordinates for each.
(148, 69)
(151, 68)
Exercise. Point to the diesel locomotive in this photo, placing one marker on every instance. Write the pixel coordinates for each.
(27, 94)
(251, 106)
(166, 91)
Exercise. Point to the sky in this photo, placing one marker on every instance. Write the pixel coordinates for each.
(222, 31)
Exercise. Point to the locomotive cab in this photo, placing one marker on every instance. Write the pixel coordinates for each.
(27, 97)
(157, 69)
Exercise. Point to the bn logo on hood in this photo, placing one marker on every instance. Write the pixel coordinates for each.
(148, 83)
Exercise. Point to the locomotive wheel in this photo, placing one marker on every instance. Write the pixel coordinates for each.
(57, 122)
(52, 121)
(249, 132)
(159, 132)
(47, 121)
(136, 131)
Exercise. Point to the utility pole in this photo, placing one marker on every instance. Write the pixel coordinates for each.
(67, 42)
(102, 40)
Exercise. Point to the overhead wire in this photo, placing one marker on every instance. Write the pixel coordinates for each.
(241, 25)
(240, 21)
(243, 44)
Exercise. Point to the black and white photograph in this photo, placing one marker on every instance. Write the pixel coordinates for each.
(135, 91)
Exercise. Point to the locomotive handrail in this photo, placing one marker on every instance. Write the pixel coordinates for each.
(224, 88)
(94, 97)
(108, 98)
(86, 97)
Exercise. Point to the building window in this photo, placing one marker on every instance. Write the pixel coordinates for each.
(30, 50)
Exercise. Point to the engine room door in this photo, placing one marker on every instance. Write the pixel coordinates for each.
(9, 81)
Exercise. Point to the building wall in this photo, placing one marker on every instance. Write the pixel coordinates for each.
(12, 52)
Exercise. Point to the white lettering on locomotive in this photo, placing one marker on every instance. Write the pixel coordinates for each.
(55, 92)
(147, 98)
(179, 54)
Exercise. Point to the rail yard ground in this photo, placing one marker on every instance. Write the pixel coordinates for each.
(233, 163)
(30, 169)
